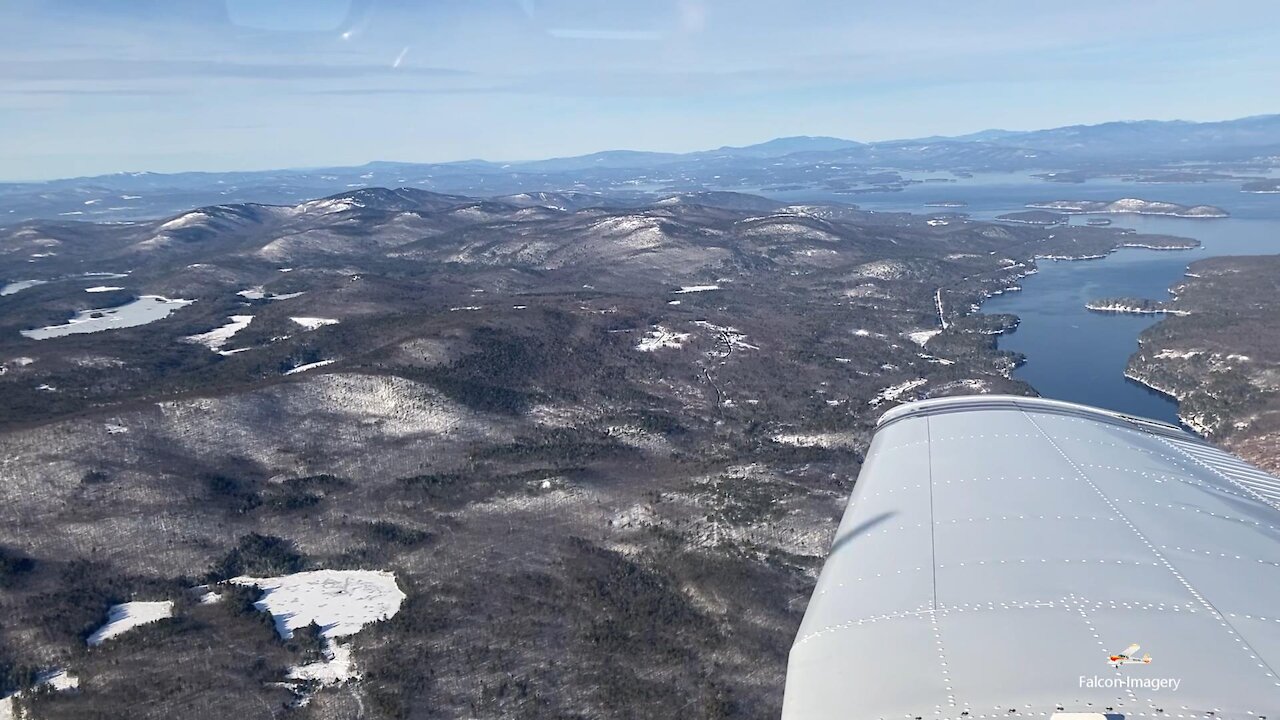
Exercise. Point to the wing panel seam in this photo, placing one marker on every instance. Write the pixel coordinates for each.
(1213, 610)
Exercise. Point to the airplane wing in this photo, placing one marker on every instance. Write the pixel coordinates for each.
(1131, 650)
(985, 523)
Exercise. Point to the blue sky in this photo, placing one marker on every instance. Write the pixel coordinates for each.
(98, 86)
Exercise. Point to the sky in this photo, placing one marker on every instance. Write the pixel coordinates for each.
(99, 86)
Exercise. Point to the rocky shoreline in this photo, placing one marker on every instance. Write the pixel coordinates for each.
(1218, 355)
(1197, 423)
(1261, 187)
(1133, 306)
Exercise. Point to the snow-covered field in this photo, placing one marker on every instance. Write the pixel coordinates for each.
(125, 617)
(103, 288)
(731, 337)
(696, 289)
(660, 337)
(219, 336)
(340, 602)
(311, 323)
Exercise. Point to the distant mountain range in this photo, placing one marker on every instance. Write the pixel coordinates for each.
(1148, 139)
(819, 164)
(777, 147)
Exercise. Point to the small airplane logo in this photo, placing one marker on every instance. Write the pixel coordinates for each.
(1128, 657)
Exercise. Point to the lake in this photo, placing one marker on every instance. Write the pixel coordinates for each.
(1074, 354)
(139, 311)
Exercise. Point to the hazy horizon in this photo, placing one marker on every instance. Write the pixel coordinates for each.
(153, 86)
(608, 149)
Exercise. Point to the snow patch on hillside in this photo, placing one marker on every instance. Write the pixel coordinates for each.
(309, 366)
(777, 227)
(968, 386)
(882, 270)
(327, 205)
(894, 392)
(59, 680)
(920, 337)
(866, 290)
(187, 220)
(632, 232)
(126, 616)
(1168, 353)
(821, 440)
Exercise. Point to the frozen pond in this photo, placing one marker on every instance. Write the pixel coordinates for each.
(19, 286)
(146, 309)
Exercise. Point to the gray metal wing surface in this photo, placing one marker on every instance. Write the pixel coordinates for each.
(998, 551)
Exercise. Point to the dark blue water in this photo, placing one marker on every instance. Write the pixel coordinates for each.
(1074, 354)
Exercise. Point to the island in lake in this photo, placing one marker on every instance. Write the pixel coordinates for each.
(1133, 206)
(947, 204)
(1065, 176)
(1034, 217)
(1221, 356)
(1264, 187)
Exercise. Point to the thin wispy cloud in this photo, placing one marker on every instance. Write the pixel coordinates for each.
(86, 69)
(86, 92)
(602, 34)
